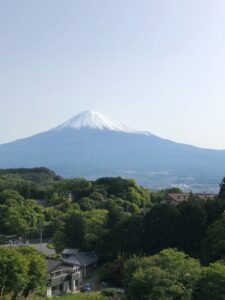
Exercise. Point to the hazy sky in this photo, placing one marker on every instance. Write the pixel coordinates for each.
(156, 65)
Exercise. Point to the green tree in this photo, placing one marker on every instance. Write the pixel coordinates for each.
(18, 217)
(193, 225)
(213, 246)
(37, 273)
(87, 203)
(113, 272)
(222, 189)
(59, 241)
(75, 230)
(110, 244)
(161, 228)
(78, 187)
(168, 275)
(10, 194)
(13, 271)
(211, 284)
(154, 283)
(95, 221)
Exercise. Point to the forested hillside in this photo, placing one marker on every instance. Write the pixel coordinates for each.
(132, 233)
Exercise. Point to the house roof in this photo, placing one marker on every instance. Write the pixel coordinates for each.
(70, 251)
(76, 257)
(179, 197)
(206, 197)
(87, 258)
(54, 264)
(73, 260)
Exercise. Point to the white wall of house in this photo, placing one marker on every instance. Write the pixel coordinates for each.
(49, 292)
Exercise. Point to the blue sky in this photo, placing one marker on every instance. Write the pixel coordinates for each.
(154, 65)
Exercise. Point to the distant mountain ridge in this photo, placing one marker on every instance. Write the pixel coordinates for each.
(93, 145)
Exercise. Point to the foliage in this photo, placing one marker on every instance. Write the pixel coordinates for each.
(161, 228)
(211, 285)
(26, 188)
(123, 223)
(109, 292)
(222, 188)
(18, 215)
(193, 225)
(182, 226)
(40, 176)
(167, 275)
(37, 274)
(213, 246)
(13, 271)
(113, 272)
(22, 270)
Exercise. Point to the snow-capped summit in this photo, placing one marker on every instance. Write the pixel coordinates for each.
(95, 120)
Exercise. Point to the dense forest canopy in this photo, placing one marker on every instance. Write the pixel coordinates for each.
(120, 220)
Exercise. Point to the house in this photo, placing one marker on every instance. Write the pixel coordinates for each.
(67, 274)
(87, 261)
(206, 197)
(175, 198)
(63, 277)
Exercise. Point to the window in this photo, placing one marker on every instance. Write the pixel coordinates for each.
(54, 288)
(61, 287)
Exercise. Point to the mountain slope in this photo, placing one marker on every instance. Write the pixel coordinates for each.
(93, 145)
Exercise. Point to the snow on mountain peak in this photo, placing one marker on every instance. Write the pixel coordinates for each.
(95, 120)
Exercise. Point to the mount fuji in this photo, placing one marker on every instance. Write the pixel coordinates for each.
(93, 145)
(95, 120)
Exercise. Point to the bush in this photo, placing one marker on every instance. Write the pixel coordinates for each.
(109, 292)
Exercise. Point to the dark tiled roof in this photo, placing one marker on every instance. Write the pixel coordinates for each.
(87, 258)
(73, 260)
(76, 257)
(53, 264)
(70, 251)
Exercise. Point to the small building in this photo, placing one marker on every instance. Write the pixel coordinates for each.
(66, 275)
(87, 261)
(175, 198)
(205, 196)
